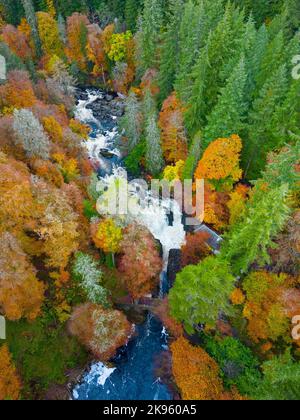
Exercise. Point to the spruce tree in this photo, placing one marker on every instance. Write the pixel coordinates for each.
(154, 155)
(285, 122)
(198, 20)
(259, 140)
(170, 51)
(251, 238)
(206, 75)
(273, 58)
(152, 20)
(132, 121)
(31, 19)
(193, 157)
(131, 11)
(201, 293)
(227, 117)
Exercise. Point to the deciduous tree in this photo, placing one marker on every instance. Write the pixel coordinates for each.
(101, 330)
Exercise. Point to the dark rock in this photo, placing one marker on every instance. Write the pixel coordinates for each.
(107, 154)
(174, 265)
(108, 98)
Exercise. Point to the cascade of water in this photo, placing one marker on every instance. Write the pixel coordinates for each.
(124, 381)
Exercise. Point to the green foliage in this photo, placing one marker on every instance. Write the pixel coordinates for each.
(169, 51)
(228, 116)
(89, 209)
(131, 122)
(12, 61)
(238, 365)
(43, 352)
(259, 139)
(193, 157)
(134, 159)
(201, 293)
(281, 380)
(152, 20)
(250, 239)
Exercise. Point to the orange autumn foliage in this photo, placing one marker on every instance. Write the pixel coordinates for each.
(162, 311)
(53, 129)
(48, 171)
(77, 36)
(237, 297)
(174, 141)
(267, 298)
(216, 212)
(17, 42)
(10, 385)
(21, 294)
(17, 92)
(101, 330)
(77, 127)
(140, 263)
(220, 162)
(16, 198)
(195, 249)
(96, 51)
(195, 372)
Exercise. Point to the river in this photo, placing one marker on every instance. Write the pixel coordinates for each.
(131, 374)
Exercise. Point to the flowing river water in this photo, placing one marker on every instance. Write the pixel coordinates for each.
(132, 376)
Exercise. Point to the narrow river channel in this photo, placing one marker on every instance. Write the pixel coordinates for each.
(131, 375)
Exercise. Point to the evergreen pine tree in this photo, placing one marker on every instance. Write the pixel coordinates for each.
(228, 115)
(170, 51)
(31, 19)
(259, 141)
(132, 8)
(132, 121)
(250, 239)
(201, 292)
(154, 155)
(193, 157)
(152, 20)
(273, 58)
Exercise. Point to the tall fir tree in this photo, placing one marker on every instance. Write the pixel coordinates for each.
(31, 19)
(198, 20)
(193, 158)
(132, 121)
(170, 51)
(154, 155)
(258, 142)
(251, 238)
(273, 58)
(228, 116)
(152, 20)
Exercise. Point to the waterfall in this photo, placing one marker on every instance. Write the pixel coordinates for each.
(151, 212)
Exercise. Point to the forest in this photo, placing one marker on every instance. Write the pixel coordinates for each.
(210, 91)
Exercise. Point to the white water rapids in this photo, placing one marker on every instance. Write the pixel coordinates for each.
(153, 213)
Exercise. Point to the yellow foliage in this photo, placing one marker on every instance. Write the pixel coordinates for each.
(68, 167)
(118, 46)
(51, 8)
(220, 162)
(53, 128)
(195, 372)
(237, 297)
(174, 172)
(82, 130)
(49, 34)
(10, 385)
(108, 236)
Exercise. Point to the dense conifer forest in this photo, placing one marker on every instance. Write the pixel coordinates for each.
(207, 90)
